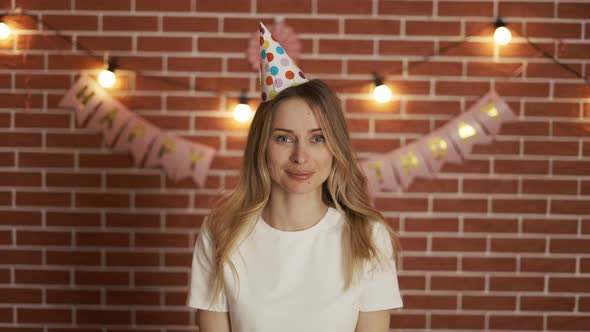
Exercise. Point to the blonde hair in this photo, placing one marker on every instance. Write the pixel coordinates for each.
(345, 189)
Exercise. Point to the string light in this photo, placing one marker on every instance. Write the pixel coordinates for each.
(107, 77)
(502, 35)
(5, 30)
(242, 111)
(381, 92)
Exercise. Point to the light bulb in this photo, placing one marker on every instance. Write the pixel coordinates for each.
(382, 93)
(107, 78)
(242, 112)
(4, 31)
(502, 35)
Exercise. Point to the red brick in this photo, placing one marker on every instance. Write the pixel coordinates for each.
(164, 44)
(413, 243)
(401, 204)
(73, 296)
(159, 6)
(84, 219)
(102, 200)
(525, 50)
(178, 259)
(5, 277)
(554, 30)
(133, 220)
(161, 240)
(182, 220)
(439, 107)
(350, 7)
(102, 278)
(71, 258)
(192, 64)
(45, 160)
(358, 125)
(129, 23)
(398, 47)
(20, 179)
(73, 180)
(372, 27)
(437, 28)
(20, 295)
(44, 316)
(100, 5)
(523, 89)
(584, 303)
(422, 263)
(339, 46)
(518, 245)
(488, 302)
(133, 180)
(72, 22)
(463, 9)
(513, 205)
(492, 69)
(403, 126)
(192, 103)
(466, 49)
(435, 68)
(571, 167)
(557, 226)
(161, 317)
(457, 321)
(571, 129)
(189, 24)
(516, 322)
(568, 322)
(132, 259)
(45, 276)
(461, 88)
(458, 244)
(576, 246)
(457, 283)
(557, 187)
(161, 279)
(412, 224)
(373, 66)
(10, 139)
(552, 109)
(459, 205)
(6, 198)
(7, 159)
(551, 70)
(43, 4)
(71, 140)
(102, 239)
(175, 298)
(220, 84)
(43, 199)
(133, 297)
(489, 264)
(6, 315)
(555, 148)
(43, 238)
(403, 8)
(495, 186)
(412, 282)
(546, 265)
(18, 61)
(162, 200)
(573, 10)
(468, 166)
(20, 218)
(433, 185)
(224, 6)
(569, 284)
(312, 25)
(103, 317)
(425, 302)
(530, 9)
(575, 207)
(283, 6)
(514, 283)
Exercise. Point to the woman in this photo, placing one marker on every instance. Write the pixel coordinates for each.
(296, 246)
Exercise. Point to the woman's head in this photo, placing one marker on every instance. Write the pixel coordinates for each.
(318, 107)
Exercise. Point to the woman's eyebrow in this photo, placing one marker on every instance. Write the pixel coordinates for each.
(292, 132)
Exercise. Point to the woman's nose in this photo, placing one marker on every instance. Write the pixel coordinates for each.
(299, 154)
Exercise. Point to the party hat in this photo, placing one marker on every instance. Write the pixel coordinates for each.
(277, 70)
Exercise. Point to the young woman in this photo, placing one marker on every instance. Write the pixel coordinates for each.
(296, 246)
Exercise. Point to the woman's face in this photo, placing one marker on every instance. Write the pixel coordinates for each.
(297, 155)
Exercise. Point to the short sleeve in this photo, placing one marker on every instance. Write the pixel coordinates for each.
(380, 289)
(202, 275)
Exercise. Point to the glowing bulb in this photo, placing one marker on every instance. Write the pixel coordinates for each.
(502, 35)
(4, 31)
(382, 93)
(107, 78)
(243, 112)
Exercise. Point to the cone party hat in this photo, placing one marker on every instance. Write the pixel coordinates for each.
(277, 70)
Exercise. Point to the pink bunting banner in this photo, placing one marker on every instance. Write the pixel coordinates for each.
(451, 143)
(124, 131)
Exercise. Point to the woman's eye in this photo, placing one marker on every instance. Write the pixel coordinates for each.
(283, 139)
(319, 139)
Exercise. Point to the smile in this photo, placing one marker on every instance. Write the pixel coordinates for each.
(299, 176)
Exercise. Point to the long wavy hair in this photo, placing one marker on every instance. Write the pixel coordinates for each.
(235, 214)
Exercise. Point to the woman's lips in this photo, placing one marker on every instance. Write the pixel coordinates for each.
(299, 175)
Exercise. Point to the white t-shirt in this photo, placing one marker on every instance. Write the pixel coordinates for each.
(294, 280)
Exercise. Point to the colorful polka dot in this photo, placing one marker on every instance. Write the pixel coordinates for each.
(274, 70)
(285, 62)
(270, 57)
(261, 40)
(301, 74)
(261, 29)
(289, 74)
(268, 80)
(280, 50)
(263, 54)
(278, 83)
(272, 94)
(266, 44)
(266, 67)
(263, 95)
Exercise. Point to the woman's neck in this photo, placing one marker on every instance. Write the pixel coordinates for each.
(294, 212)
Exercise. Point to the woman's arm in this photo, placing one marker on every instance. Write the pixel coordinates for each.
(214, 321)
(373, 321)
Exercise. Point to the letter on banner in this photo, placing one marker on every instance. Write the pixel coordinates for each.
(465, 131)
(380, 176)
(110, 118)
(193, 160)
(85, 96)
(438, 149)
(491, 111)
(136, 138)
(409, 163)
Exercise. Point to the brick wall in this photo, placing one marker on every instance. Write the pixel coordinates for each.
(501, 242)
